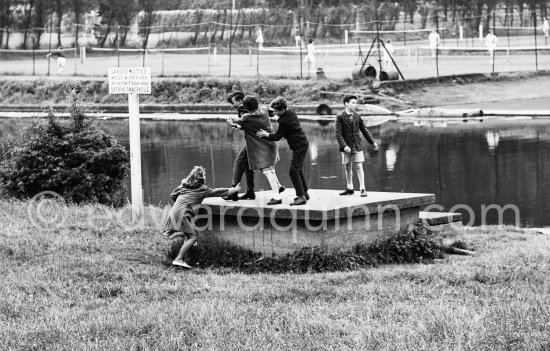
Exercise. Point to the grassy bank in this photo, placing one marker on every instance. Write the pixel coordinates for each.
(99, 282)
(393, 95)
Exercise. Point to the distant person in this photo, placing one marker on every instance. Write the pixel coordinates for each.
(240, 165)
(310, 57)
(387, 55)
(260, 38)
(262, 153)
(433, 39)
(491, 44)
(290, 129)
(545, 27)
(297, 37)
(187, 196)
(60, 58)
(348, 127)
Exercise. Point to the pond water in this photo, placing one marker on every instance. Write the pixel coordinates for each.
(467, 165)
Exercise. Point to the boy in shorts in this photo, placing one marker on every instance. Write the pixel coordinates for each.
(349, 127)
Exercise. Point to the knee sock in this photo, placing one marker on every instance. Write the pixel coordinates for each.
(273, 181)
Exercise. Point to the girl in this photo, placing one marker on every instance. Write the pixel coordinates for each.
(187, 197)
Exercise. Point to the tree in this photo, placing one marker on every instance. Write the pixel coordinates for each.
(5, 19)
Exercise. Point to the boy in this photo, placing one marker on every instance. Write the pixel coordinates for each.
(240, 166)
(290, 129)
(348, 127)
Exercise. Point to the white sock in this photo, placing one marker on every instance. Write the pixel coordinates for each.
(273, 182)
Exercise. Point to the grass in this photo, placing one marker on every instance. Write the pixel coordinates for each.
(94, 284)
(173, 91)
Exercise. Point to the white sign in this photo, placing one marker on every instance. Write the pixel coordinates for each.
(129, 80)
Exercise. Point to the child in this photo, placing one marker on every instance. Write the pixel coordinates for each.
(349, 127)
(240, 165)
(187, 197)
(262, 153)
(290, 129)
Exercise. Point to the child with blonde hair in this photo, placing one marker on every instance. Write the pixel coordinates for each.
(187, 197)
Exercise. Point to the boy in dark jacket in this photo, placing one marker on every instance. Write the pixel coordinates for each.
(349, 127)
(240, 166)
(290, 129)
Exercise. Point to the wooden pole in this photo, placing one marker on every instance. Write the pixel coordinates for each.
(135, 155)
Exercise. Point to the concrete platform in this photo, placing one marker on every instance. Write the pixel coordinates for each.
(327, 220)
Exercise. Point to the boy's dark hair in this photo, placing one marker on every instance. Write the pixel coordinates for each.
(279, 103)
(310, 41)
(347, 98)
(250, 103)
(238, 96)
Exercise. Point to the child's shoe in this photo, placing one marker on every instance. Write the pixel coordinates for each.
(180, 264)
(347, 192)
(249, 195)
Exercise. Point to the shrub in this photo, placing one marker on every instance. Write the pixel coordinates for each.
(74, 158)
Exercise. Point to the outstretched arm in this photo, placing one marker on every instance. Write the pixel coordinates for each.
(217, 192)
(367, 134)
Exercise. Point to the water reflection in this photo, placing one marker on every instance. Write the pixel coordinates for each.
(458, 163)
(492, 139)
(391, 157)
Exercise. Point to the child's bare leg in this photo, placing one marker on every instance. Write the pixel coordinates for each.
(360, 174)
(185, 247)
(349, 176)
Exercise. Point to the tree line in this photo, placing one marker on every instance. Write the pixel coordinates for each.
(209, 19)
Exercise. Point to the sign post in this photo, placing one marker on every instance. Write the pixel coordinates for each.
(132, 81)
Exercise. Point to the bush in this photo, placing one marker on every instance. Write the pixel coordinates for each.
(74, 158)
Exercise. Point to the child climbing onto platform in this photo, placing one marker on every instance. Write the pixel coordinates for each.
(187, 197)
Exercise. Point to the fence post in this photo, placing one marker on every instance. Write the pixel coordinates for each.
(437, 46)
(258, 63)
(75, 46)
(209, 46)
(50, 43)
(535, 34)
(494, 33)
(250, 56)
(162, 66)
(118, 46)
(33, 55)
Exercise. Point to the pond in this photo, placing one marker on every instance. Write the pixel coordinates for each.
(467, 165)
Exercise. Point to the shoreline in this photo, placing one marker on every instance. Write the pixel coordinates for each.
(512, 94)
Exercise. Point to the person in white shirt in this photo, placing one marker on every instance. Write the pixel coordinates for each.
(310, 57)
(297, 37)
(545, 27)
(260, 38)
(387, 55)
(433, 39)
(491, 44)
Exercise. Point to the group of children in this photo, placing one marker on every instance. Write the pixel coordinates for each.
(261, 153)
